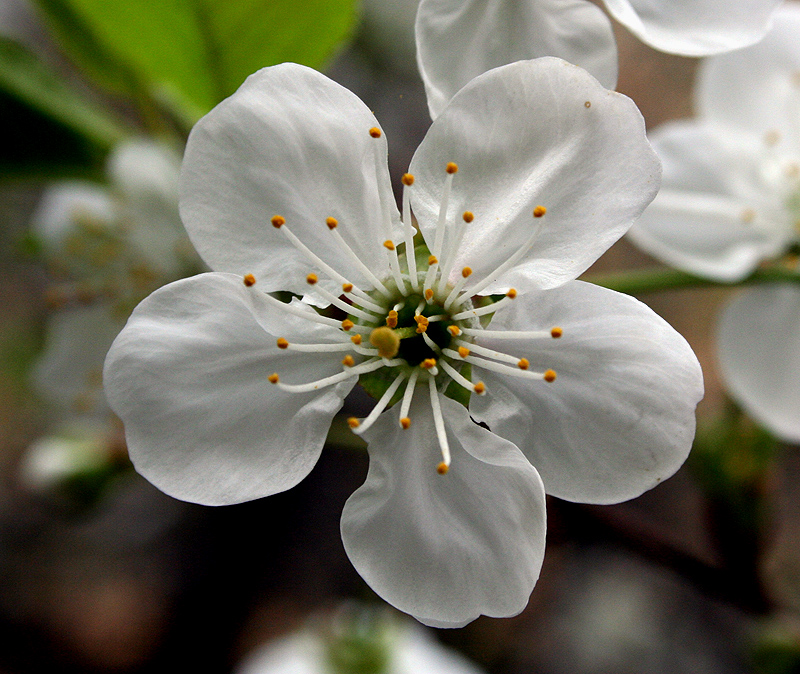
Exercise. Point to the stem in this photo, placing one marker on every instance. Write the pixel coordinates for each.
(654, 280)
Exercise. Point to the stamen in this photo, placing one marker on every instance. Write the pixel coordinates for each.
(430, 276)
(438, 422)
(381, 404)
(375, 132)
(433, 346)
(480, 388)
(282, 343)
(453, 246)
(249, 280)
(312, 279)
(348, 361)
(308, 314)
(391, 319)
(366, 366)
(488, 309)
(523, 364)
(457, 377)
(388, 245)
(455, 330)
(316, 348)
(466, 272)
(341, 304)
(347, 325)
(554, 333)
(405, 423)
(408, 228)
(365, 271)
(452, 169)
(273, 378)
(548, 375)
(489, 353)
(365, 304)
(408, 394)
(510, 261)
(356, 339)
(353, 423)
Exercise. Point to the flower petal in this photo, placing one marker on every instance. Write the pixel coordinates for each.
(446, 548)
(714, 216)
(619, 418)
(695, 27)
(188, 376)
(757, 89)
(758, 344)
(535, 132)
(457, 40)
(289, 142)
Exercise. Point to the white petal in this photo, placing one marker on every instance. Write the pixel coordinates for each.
(522, 135)
(757, 88)
(457, 40)
(188, 376)
(69, 373)
(619, 418)
(446, 548)
(759, 356)
(289, 142)
(695, 27)
(714, 216)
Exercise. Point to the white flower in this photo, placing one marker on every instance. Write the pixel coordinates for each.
(730, 200)
(730, 196)
(106, 248)
(531, 172)
(356, 640)
(460, 39)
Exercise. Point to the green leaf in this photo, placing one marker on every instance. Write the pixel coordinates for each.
(24, 77)
(194, 53)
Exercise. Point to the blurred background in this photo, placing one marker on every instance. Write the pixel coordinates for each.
(101, 572)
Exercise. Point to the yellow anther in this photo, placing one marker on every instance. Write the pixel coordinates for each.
(422, 327)
(408, 179)
(353, 422)
(512, 293)
(550, 375)
(556, 332)
(454, 330)
(375, 132)
(588, 104)
(523, 364)
(388, 245)
(479, 388)
(347, 287)
(278, 221)
(282, 343)
(249, 280)
(348, 361)
(432, 260)
(386, 341)
(273, 379)
(466, 272)
(356, 339)
(428, 363)
(468, 216)
(332, 223)
(428, 294)
(539, 211)
(347, 324)
(405, 422)
(463, 351)
(311, 279)
(442, 468)
(419, 318)
(451, 167)
(391, 319)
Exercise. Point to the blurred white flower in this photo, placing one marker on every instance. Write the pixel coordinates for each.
(460, 39)
(730, 196)
(730, 200)
(356, 640)
(189, 375)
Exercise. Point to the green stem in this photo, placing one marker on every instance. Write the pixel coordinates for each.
(638, 281)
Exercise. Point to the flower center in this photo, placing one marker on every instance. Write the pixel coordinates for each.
(414, 326)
